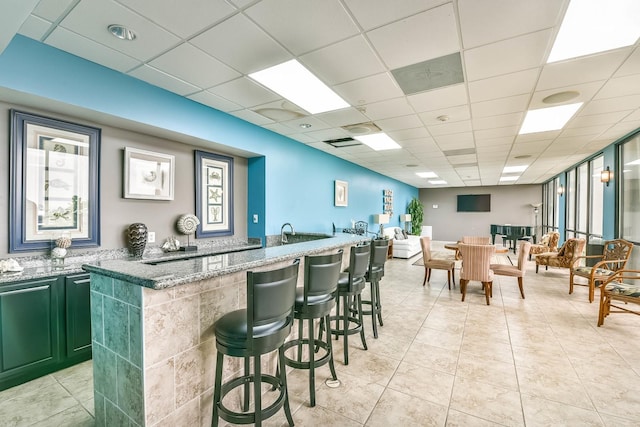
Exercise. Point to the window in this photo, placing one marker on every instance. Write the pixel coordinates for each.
(630, 189)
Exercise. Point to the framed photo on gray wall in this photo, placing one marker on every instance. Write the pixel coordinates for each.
(214, 194)
(148, 175)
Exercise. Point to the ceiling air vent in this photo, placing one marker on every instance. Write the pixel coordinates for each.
(342, 142)
(362, 128)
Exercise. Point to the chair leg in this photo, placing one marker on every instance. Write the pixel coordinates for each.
(449, 279)
(245, 402)
(463, 288)
(312, 372)
(300, 331)
(374, 304)
(429, 278)
(521, 286)
(487, 291)
(359, 302)
(570, 282)
(379, 304)
(332, 367)
(345, 340)
(426, 272)
(257, 389)
(283, 381)
(217, 389)
(453, 276)
(592, 290)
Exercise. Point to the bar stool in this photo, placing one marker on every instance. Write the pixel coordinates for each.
(315, 301)
(350, 286)
(259, 329)
(379, 248)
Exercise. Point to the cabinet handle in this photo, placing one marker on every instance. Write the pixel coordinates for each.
(21, 291)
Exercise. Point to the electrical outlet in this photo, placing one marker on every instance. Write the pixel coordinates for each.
(151, 237)
(255, 218)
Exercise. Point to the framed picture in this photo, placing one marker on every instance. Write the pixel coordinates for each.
(214, 194)
(54, 186)
(148, 175)
(341, 193)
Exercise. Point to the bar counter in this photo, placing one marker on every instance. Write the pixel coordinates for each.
(152, 328)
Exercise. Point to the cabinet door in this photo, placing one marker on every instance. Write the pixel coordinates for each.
(78, 316)
(29, 327)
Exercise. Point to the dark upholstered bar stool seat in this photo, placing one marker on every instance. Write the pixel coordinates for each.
(349, 292)
(315, 301)
(259, 329)
(378, 257)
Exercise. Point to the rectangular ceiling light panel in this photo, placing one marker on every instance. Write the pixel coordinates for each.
(514, 169)
(509, 178)
(427, 174)
(297, 84)
(592, 26)
(546, 119)
(378, 141)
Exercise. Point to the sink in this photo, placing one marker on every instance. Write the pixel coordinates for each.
(304, 237)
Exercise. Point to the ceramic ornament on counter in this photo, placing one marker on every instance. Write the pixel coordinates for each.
(187, 225)
(137, 239)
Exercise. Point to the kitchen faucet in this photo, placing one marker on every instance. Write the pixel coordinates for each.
(283, 238)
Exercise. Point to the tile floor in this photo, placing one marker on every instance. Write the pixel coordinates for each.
(438, 361)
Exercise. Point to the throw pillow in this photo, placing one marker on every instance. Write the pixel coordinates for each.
(398, 235)
(404, 233)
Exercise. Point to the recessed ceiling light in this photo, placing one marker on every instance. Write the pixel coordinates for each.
(443, 118)
(514, 169)
(559, 97)
(279, 114)
(305, 125)
(438, 182)
(427, 174)
(546, 119)
(121, 32)
(509, 178)
(591, 26)
(295, 83)
(378, 141)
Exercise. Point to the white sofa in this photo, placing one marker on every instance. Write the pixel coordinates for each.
(405, 248)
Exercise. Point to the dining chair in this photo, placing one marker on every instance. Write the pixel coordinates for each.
(476, 266)
(614, 257)
(515, 270)
(445, 263)
(549, 243)
(566, 256)
(476, 240)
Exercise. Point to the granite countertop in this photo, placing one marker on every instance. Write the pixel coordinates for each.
(165, 272)
(38, 267)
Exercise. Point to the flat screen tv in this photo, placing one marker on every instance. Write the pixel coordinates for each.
(474, 202)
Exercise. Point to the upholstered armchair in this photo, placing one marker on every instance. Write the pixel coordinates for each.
(446, 263)
(515, 270)
(623, 286)
(614, 257)
(476, 262)
(566, 257)
(549, 243)
(476, 240)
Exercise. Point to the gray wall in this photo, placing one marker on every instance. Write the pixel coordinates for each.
(116, 213)
(510, 204)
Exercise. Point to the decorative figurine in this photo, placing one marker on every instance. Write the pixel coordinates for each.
(187, 225)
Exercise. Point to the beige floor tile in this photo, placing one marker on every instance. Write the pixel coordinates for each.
(488, 402)
(460, 419)
(487, 370)
(423, 383)
(400, 409)
(548, 385)
(428, 356)
(76, 416)
(35, 405)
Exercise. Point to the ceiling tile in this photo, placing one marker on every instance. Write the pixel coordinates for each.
(261, 50)
(586, 93)
(184, 18)
(369, 89)
(399, 123)
(512, 104)
(385, 109)
(631, 64)
(245, 92)
(374, 13)
(502, 86)
(345, 116)
(91, 18)
(489, 21)
(301, 25)
(621, 103)
(215, 101)
(507, 56)
(438, 99)
(503, 120)
(427, 35)
(163, 80)
(86, 48)
(203, 71)
(34, 27)
(450, 127)
(344, 61)
(620, 86)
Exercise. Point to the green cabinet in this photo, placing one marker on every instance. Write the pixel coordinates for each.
(44, 327)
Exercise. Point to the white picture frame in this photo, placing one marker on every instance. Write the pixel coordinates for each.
(148, 175)
(341, 193)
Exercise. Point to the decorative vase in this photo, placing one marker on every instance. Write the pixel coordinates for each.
(57, 257)
(137, 239)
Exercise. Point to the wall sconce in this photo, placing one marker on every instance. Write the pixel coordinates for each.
(381, 219)
(560, 190)
(406, 218)
(606, 175)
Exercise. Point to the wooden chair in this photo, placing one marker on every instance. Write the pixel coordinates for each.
(476, 240)
(515, 270)
(622, 286)
(566, 257)
(476, 262)
(614, 257)
(431, 263)
(549, 243)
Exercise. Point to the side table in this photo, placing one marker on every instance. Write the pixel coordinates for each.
(390, 249)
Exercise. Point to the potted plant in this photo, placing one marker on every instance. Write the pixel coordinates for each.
(416, 210)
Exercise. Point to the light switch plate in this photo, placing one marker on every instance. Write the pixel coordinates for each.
(255, 218)
(151, 237)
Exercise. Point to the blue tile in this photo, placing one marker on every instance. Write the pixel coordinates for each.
(102, 284)
(97, 317)
(130, 390)
(127, 292)
(135, 336)
(104, 372)
(116, 326)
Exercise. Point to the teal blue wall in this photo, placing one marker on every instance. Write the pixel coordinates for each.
(288, 181)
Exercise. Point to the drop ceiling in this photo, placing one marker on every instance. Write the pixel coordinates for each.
(465, 131)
